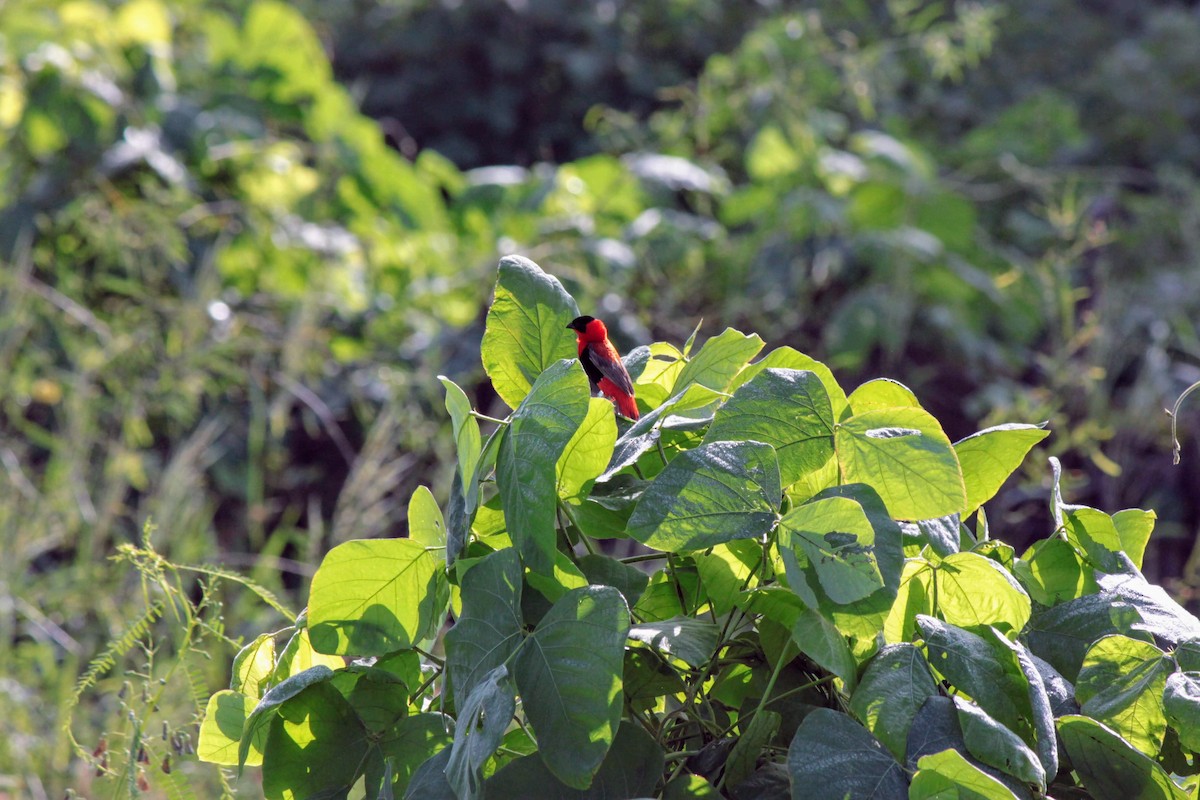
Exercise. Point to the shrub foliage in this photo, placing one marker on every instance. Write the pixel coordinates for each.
(810, 604)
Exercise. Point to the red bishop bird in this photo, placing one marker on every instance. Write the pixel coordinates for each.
(603, 366)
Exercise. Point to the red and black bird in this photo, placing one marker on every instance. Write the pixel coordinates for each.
(603, 366)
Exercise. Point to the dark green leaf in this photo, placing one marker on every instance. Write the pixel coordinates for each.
(709, 495)
(413, 740)
(786, 409)
(727, 569)
(893, 688)
(942, 534)
(526, 475)
(372, 597)
(1110, 767)
(602, 570)
(644, 434)
(994, 744)
(743, 758)
(1160, 614)
(526, 328)
(816, 636)
(1062, 635)
(983, 668)
(489, 628)
(693, 641)
(631, 769)
(569, 676)
(791, 359)
(429, 780)
(483, 716)
(1181, 702)
(832, 757)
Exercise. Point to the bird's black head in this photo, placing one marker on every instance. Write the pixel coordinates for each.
(580, 323)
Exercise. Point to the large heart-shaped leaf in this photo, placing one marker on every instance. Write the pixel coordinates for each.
(373, 596)
(787, 409)
(526, 466)
(526, 328)
(569, 676)
(832, 757)
(708, 495)
(489, 629)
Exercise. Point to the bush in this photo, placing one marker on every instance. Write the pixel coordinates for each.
(829, 614)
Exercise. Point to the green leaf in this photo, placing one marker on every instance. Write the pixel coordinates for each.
(1093, 532)
(904, 455)
(490, 628)
(838, 539)
(370, 597)
(879, 394)
(222, 729)
(693, 641)
(862, 620)
(719, 360)
(269, 705)
(1062, 635)
(786, 409)
(601, 570)
(1134, 527)
(646, 432)
(1181, 702)
(316, 745)
(975, 665)
(914, 597)
(526, 475)
(631, 769)
(949, 776)
(254, 666)
(770, 155)
(748, 747)
(995, 744)
(483, 716)
(569, 676)
(412, 741)
(975, 591)
(893, 688)
(1121, 684)
(789, 358)
(989, 457)
(942, 534)
(708, 495)
(1110, 767)
(588, 452)
(564, 577)
(726, 570)
(467, 440)
(298, 656)
(1052, 571)
(526, 329)
(429, 780)
(832, 757)
(817, 637)
(425, 523)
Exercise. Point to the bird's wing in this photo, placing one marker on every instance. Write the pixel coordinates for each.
(604, 357)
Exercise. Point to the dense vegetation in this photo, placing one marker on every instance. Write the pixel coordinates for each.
(822, 625)
(225, 300)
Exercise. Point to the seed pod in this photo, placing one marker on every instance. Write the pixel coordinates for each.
(166, 765)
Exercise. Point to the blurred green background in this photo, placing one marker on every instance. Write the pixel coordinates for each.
(240, 239)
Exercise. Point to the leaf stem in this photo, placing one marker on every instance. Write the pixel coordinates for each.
(486, 418)
(1176, 448)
